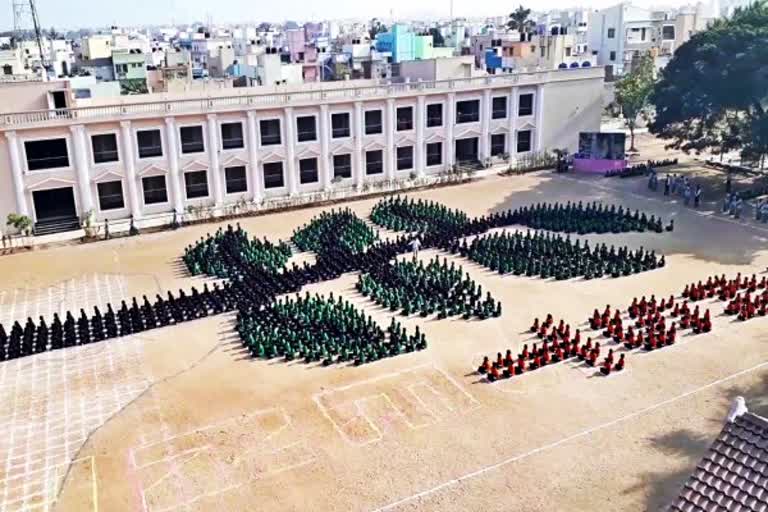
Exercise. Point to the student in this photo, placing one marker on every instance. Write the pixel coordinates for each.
(697, 197)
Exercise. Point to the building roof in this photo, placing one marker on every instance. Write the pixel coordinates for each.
(733, 475)
(97, 63)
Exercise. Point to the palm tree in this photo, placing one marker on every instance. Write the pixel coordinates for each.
(520, 21)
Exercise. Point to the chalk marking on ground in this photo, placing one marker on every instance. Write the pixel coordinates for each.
(555, 444)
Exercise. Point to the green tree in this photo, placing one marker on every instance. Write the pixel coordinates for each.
(633, 92)
(519, 20)
(21, 223)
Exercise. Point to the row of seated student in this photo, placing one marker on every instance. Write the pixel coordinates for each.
(725, 289)
(747, 306)
(561, 332)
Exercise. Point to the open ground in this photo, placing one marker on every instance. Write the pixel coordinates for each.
(182, 418)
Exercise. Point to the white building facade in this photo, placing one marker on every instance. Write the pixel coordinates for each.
(148, 160)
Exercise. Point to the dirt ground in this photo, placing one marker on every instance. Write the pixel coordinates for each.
(181, 419)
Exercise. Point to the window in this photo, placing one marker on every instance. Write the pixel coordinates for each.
(668, 32)
(543, 51)
(434, 153)
(154, 190)
(342, 166)
(404, 158)
(468, 111)
(306, 130)
(46, 154)
(612, 56)
(270, 132)
(434, 115)
(526, 105)
(196, 183)
(611, 33)
(404, 118)
(567, 51)
(232, 135)
(104, 148)
(523, 141)
(373, 122)
(374, 162)
(308, 171)
(273, 175)
(110, 195)
(192, 139)
(340, 125)
(499, 107)
(150, 143)
(235, 179)
(498, 144)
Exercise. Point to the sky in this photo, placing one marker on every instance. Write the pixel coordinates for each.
(70, 14)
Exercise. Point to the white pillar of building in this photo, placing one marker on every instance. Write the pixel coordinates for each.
(324, 161)
(539, 118)
(82, 168)
(358, 165)
(485, 125)
(126, 136)
(173, 165)
(17, 173)
(253, 158)
(450, 123)
(512, 127)
(213, 161)
(290, 151)
(389, 151)
(420, 124)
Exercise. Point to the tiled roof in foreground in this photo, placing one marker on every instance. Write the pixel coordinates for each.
(733, 475)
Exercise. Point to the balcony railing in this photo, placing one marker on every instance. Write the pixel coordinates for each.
(280, 99)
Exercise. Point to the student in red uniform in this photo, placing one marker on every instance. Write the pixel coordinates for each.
(620, 364)
(494, 375)
(485, 367)
(535, 326)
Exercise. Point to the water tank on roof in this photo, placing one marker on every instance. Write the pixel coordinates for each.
(562, 65)
(586, 64)
(574, 65)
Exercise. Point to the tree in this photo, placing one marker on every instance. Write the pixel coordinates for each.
(21, 223)
(520, 21)
(377, 27)
(712, 95)
(438, 41)
(633, 92)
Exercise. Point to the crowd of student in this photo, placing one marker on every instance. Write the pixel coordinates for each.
(406, 214)
(747, 297)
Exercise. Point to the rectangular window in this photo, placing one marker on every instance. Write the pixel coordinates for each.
(668, 32)
(499, 108)
(306, 129)
(308, 171)
(434, 153)
(154, 190)
(342, 166)
(104, 148)
(612, 56)
(110, 195)
(467, 111)
(46, 154)
(526, 105)
(196, 183)
(434, 115)
(611, 33)
(404, 118)
(235, 179)
(567, 51)
(523, 141)
(150, 143)
(270, 132)
(273, 175)
(232, 135)
(498, 144)
(340, 125)
(374, 162)
(404, 158)
(192, 139)
(373, 122)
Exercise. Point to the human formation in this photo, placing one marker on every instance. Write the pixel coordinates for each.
(335, 230)
(406, 214)
(412, 287)
(747, 297)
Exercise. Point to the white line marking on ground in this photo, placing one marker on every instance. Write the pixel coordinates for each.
(555, 444)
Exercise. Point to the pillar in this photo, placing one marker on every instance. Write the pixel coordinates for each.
(485, 125)
(83, 168)
(324, 160)
(126, 136)
(389, 151)
(173, 165)
(358, 165)
(420, 151)
(213, 161)
(450, 124)
(290, 151)
(17, 173)
(512, 126)
(539, 113)
(253, 158)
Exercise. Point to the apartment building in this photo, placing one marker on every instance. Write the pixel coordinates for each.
(146, 158)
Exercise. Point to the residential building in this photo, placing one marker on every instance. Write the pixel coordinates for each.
(97, 46)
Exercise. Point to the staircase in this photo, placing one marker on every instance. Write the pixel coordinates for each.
(56, 225)
(469, 165)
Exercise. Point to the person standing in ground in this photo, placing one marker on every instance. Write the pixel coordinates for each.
(728, 184)
(415, 246)
(667, 185)
(697, 197)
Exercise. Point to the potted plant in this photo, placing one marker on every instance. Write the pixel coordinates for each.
(88, 222)
(21, 223)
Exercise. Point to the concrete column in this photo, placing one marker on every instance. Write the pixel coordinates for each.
(485, 125)
(213, 161)
(257, 183)
(324, 160)
(389, 151)
(539, 113)
(420, 151)
(83, 168)
(358, 165)
(17, 173)
(512, 136)
(290, 151)
(177, 199)
(450, 124)
(126, 136)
